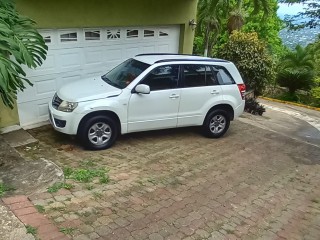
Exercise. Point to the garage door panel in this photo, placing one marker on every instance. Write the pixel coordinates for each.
(75, 54)
(110, 65)
(71, 60)
(93, 72)
(68, 78)
(113, 53)
(34, 111)
(163, 48)
(149, 49)
(28, 94)
(43, 109)
(43, 87)
(93, 56)
(131, 50)
(48, 67)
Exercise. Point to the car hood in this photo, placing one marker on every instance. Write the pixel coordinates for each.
(87, 90)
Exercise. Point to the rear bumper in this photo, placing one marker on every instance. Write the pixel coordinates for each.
(239, 110)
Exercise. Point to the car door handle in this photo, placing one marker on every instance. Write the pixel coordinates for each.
(174, 96)
(215, 92)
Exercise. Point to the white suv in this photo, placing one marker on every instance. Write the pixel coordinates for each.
(149, 92)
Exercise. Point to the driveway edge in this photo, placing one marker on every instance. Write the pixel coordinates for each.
(290, 103)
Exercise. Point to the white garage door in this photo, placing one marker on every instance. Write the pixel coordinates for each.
(80, 53)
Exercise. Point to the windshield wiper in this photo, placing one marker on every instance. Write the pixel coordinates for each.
(107, 80)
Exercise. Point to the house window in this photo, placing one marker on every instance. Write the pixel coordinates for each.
(132, 33)
(163, 34)
(148, 33)
(92, 35)
(113, 34)
(68, 37)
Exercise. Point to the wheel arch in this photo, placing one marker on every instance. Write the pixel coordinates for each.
(108, 113)
(226, 107)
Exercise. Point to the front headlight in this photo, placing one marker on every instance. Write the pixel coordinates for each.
(66, 106)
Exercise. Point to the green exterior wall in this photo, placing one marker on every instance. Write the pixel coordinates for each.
(8, 117)
(103, 13)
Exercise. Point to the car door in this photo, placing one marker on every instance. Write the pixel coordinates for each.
(201, 90)
(159, 108)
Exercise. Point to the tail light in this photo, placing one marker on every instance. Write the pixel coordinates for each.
(242, 90)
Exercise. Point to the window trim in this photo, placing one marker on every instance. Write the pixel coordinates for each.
(149, 36)
(205, 65)
(118, 33)
(178, 82)
(133, 37)
(71, 31)
(164, 31)
(92, 40)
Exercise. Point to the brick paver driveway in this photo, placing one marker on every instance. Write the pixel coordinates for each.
(176, 184)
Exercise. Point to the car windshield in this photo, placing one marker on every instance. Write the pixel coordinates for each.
(123, 74)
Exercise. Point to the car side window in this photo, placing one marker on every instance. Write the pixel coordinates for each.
(223, 76)
(196, 75)
(163, 77)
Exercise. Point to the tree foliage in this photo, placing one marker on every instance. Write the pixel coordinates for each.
(313, 50)
(252, 58)
(309, 17)
(315, 92)
(211, 14)
(250, 16)
(20, 44)
(215, 17)
(295, 79)
(266, 26)
(296, 70)
(298, 59)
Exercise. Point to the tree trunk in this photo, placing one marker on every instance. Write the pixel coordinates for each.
(206, 41)
(213, 41)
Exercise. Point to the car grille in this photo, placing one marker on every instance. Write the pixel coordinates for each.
(56, 101)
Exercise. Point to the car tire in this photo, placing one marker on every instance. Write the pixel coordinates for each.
(216, 124)
(98, 132)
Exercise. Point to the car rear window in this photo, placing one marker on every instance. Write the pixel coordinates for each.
(223, 76)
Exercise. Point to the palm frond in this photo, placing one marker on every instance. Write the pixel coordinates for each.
(20, 44)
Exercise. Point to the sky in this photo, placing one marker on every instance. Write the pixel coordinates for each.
(289, 9)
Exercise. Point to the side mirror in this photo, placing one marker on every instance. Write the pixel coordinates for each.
(142, 88)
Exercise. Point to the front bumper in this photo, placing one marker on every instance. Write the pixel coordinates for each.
(65, 122)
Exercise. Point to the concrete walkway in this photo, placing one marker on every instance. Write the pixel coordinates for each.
(10, 226)
(298, 123)
(25, 177)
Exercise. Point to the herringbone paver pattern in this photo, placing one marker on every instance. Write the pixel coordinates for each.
(251, 184)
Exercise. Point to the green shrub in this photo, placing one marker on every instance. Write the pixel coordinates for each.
(252, 58)
(296, 70)
(315, 92)
(254, 107)
(295, 79)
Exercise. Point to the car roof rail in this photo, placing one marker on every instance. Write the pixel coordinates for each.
(191, 60)
(163, 54)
